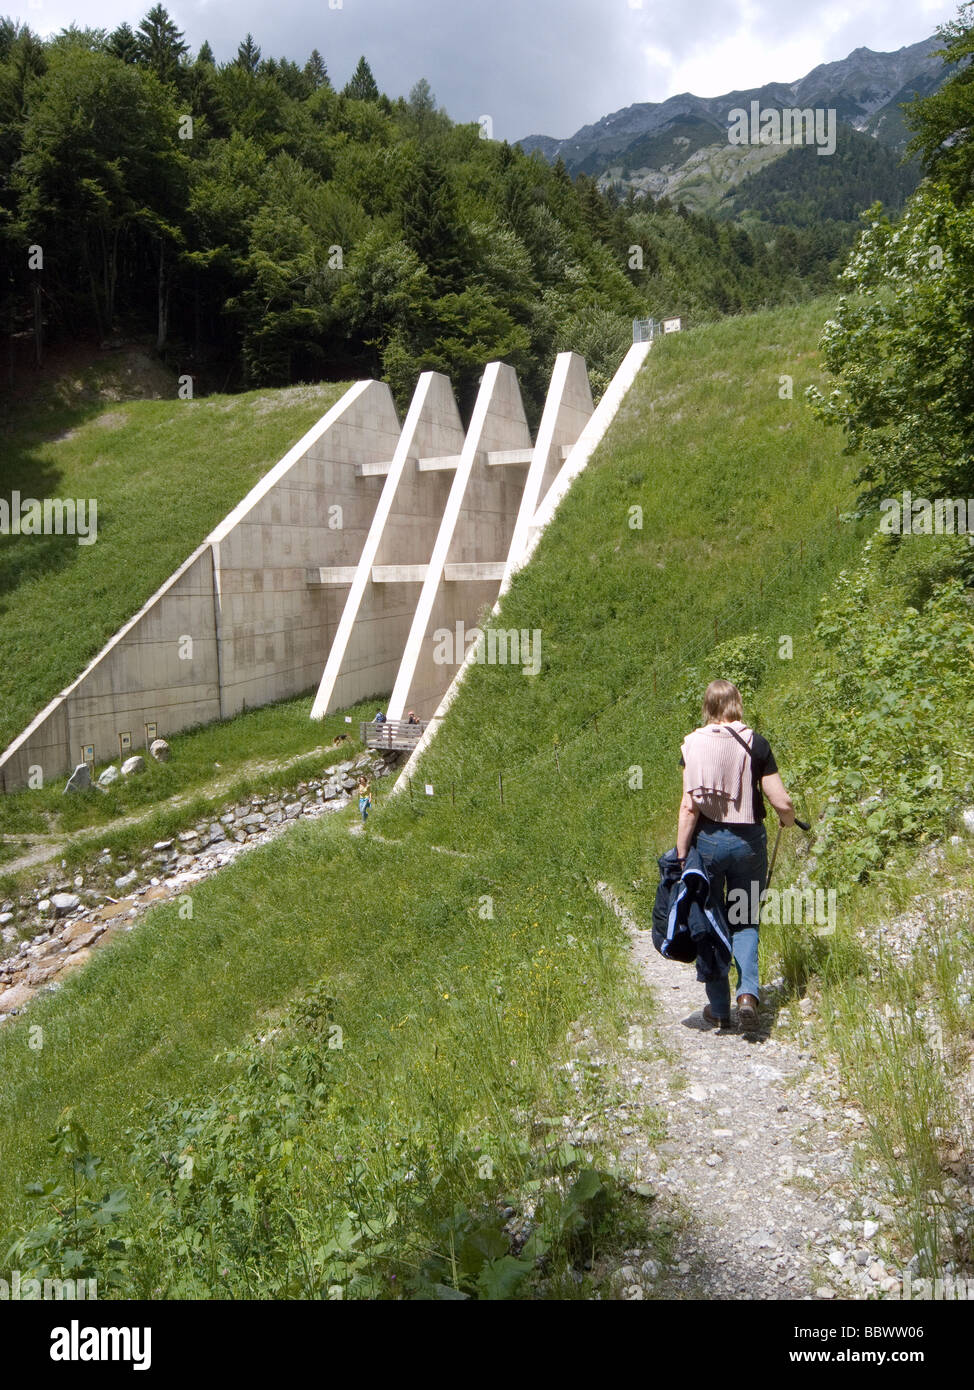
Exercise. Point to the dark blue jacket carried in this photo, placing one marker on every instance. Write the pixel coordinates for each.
(688, 924)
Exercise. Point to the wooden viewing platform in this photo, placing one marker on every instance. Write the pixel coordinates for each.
(397, 735)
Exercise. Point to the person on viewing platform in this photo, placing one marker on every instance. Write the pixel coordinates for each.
(726, 768)
(379, 717)
(412, 717)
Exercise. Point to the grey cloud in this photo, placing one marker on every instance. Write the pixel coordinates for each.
(535, 66)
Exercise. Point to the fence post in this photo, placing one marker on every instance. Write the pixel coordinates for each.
(500, 783)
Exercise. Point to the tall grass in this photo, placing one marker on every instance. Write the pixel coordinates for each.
(456, 977)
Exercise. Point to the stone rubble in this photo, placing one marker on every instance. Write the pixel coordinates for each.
(52, 930)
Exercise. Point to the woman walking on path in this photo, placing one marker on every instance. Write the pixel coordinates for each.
(726, 767)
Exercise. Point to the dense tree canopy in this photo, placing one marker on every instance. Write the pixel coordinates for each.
(902, 342)
(252, 218)
(943, 122)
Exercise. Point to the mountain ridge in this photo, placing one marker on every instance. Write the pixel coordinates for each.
(865, 88)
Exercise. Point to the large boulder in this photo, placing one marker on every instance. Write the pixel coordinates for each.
(160, 750)
(15, 998)
(109, 776)
(80, 779)
(132, 765)
(64, 903)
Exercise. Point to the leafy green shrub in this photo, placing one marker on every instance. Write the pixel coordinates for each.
(890, 710)
(742, 660)
(242, 1195)
(76, 1240)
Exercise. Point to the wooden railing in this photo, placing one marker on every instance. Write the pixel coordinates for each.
(397, 735)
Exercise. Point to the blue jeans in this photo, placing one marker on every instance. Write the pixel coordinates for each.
(736, 860)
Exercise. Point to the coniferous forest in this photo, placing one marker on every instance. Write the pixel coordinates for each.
(262, 224)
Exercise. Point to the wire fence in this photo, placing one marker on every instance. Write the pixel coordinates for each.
(663, 684)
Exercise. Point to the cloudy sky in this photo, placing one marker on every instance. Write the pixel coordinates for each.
(536, 66)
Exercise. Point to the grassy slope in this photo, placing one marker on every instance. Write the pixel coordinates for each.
(163, 473)
(740, 492)
(731, 479)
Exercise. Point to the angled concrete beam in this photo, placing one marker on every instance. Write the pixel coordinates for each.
(586, 443)
(477, 525)
(577, 456)
(364, 656)
(568, 409)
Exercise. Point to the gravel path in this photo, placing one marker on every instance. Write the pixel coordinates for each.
(756, 1168)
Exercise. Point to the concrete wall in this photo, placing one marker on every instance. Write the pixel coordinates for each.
(256, 630)
(340, 567)
(275, 630)
(160, 667)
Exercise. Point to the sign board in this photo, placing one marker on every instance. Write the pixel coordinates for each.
(124, 744)
(88, 754)
(672, 325)
(429, 788)
(151, 733)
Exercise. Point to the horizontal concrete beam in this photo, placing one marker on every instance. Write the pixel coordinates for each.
(378, 469)
(330, 574)
(509, 458)
(474, 569)
(440, 464)
(398, 574)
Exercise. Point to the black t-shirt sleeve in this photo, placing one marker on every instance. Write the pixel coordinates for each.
(764, 759)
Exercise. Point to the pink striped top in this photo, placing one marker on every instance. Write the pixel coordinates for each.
(717, 772)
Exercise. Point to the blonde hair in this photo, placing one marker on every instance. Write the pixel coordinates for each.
(722, 701)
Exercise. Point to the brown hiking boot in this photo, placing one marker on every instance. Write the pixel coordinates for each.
(747, 1012)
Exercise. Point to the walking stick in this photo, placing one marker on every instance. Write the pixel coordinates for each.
(777, 840)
